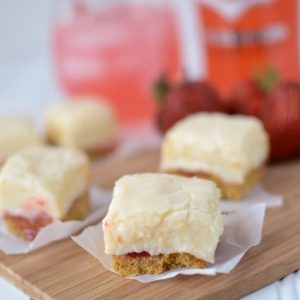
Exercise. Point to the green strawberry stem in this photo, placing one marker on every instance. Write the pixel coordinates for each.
(161, 87)
(267, 79)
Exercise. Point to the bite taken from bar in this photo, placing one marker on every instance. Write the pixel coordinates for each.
(43, 184)
(159, 222)
(230, 150)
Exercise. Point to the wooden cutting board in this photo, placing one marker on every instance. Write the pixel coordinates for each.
(63, 270)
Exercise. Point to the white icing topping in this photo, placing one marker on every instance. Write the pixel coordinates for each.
(83, 123)
(43, 177)
(163, 214)
(226, 146)
(16, 134)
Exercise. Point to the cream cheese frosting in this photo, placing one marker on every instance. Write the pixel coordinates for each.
(163, 214)
(16, 134)
(82, 123)
(219, 144)
(43, 178)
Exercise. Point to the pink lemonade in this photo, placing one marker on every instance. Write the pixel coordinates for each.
(117, 51)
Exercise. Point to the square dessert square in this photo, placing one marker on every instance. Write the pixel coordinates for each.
(230, 150)
(16, 134)
(88, 124)
(41, 184)
(158, 222)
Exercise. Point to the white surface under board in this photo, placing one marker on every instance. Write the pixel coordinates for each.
(9, 292)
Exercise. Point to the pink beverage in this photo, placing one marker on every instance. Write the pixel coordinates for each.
(117, 51)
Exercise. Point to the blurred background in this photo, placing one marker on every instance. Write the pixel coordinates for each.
(54, 50)
(27, 76)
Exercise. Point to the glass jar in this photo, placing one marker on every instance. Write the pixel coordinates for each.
(116, 49)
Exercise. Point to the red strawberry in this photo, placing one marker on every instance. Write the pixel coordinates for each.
(281, 117)
(248, 96)
(184, 99)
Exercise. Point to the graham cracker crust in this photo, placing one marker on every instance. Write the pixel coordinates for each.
(27, 229)
(93, 153)
(230, 191)
(127, 265)
(79, 208)
(100, 151)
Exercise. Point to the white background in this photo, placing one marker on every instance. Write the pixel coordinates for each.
(27, 81)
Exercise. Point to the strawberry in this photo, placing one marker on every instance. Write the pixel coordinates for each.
(281, 117)
(248, 96)
(179, 101)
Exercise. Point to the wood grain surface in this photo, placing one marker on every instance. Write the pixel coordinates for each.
(63, 270)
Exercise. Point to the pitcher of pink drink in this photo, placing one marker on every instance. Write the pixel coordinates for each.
(116, 49)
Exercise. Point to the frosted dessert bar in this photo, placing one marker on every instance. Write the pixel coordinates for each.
(230, 150)
(158, 222)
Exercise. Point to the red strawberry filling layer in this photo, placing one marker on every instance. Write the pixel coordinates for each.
(25, 227)
(138, 254)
